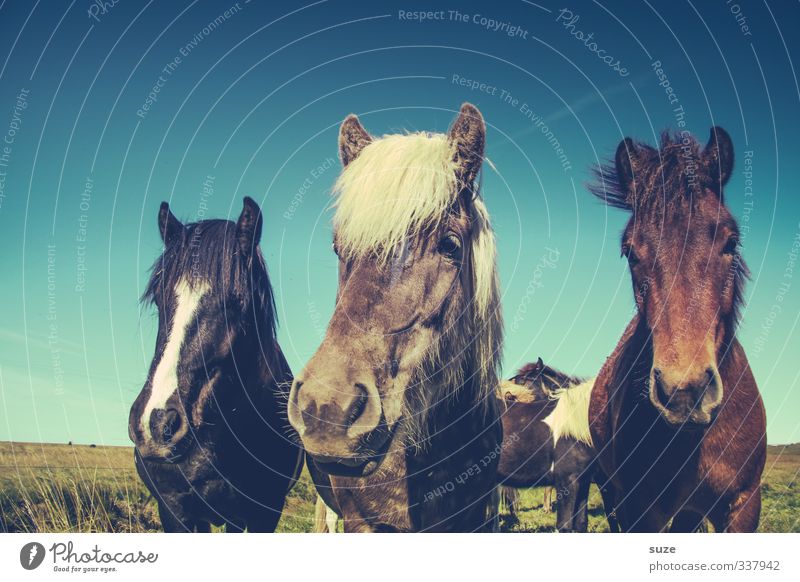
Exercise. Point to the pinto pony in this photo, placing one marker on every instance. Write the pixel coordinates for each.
(675, 414)
(396, 409)
(546, 440)
(212, 441)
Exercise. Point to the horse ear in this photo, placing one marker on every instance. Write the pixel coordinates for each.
(468, 133)
(169, 227)
(718, 156)
(248, 227)
(539, 364)
(625, 161)
(352, 139)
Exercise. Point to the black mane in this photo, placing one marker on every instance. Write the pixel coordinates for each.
(551, 378)
(209, 251)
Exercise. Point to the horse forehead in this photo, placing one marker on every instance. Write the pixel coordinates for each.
(188, 298)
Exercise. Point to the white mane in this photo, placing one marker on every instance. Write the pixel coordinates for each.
(570, 418)
(398, 185)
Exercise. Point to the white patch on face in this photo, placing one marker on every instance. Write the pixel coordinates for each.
(165, 378)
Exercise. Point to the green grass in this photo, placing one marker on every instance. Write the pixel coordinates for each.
(533, 517)
(65, 488)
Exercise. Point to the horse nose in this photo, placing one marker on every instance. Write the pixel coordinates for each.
(331, 421)
(661, 392)
(694, 399)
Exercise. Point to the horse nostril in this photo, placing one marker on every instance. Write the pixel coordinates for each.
(172, 424)
(358, 405)
(660, 392)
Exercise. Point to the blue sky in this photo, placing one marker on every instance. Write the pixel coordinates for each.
(111, 111)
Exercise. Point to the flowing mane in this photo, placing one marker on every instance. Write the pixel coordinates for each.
(665, 180)
(570, 417)
(208, 253)
(673, 173)
(398, 187)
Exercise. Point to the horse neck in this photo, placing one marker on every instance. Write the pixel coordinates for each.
(267, 369)
(459, 395)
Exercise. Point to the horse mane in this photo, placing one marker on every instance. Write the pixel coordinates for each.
(398, 187)
(570, 417)
(551, 378)
(675, 173)
(208, 252)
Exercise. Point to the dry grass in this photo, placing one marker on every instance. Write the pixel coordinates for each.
(61, 488)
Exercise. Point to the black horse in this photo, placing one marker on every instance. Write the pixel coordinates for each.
(213, 444)
(546, 441)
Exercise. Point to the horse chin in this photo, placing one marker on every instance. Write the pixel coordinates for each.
(361, 466)
(168, 455)
(694, 422)
(342, 469)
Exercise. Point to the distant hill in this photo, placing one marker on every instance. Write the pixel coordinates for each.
(793, 449)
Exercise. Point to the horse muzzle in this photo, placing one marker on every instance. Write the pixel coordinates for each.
(344, 428)
(166, 437)
(686, 404)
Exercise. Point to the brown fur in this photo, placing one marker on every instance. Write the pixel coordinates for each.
(675, 413)
(397, 409)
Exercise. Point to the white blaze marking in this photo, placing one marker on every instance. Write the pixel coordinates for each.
(165, 378)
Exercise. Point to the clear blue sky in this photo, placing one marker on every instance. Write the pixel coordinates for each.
(251, 107)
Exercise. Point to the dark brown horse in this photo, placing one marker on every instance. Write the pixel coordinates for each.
(211, 435)
(398, 405)
(676, 415)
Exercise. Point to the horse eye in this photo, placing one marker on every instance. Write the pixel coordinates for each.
(450, 246)
(628, 251)
(731, 245)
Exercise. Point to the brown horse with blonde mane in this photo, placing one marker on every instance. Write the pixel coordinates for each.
(675, 413)
(397, 408)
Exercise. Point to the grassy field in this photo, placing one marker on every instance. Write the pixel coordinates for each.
(65, 488)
